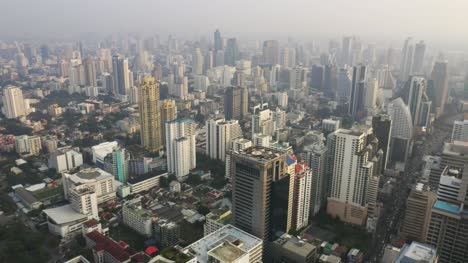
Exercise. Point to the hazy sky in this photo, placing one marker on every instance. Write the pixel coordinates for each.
(442, 21)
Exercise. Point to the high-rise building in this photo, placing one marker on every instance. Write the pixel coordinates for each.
(168, 113)
(371, 93)
(65, 159)
(116, 163)
(418, 102)
(262, 193)
(315, 156)
(83, 200)
(121, 75)
(402, 130)
(13, 103)
(460, 131)
(356, 163)
(236, 103)
(344, 84)
(357, 93)
(454, 155)
(150, 115)
(180, 147)
(439, 79)
(44, 54)
(231, 52)
(271, 52)
(382, 127)
(346, 51)
(219, 136)
(407, 57)
(25, 144)
(317, 75)
(302, 196)
(90, 72)
(108, 83)
(298, 78)
(262, 121)
(418, 63)
(218, 41)
(448, 227)
(418, 212)
(197, 62)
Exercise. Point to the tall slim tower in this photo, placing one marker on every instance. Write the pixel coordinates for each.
(357, 95)
(419, 51)
(218, 40)
(262, 191)
(168, 113)
(407, 56)
(180, 147)
(90, 72)
(439, 77)
(219, 136)
(197, 65)
(150, 115)
(121, 75)
(231, 52)
(382, 126)
(13, 102)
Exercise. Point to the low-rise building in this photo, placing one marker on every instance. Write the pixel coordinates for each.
(288, 248)
(99, 180)
(145, 182)
(137, 218)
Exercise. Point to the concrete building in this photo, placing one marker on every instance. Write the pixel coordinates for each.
(121, 75)
(260, 208)
(145, 182)
(302, 193)
(65, 159)
(439, 77)
(330, 125)
(454, 155)
(382, 127)
(358, 92)
(418, 252)
(315, 156)
(236, 103)
(288, 248)
(216, 220)
(101, 150)
(418, 102)
(271, 52)
(180, 147)
(116, 163)
(356, 162)
(26, 144)
(460, 131)
(13, 103)
(417, 214)
(402, 130)
(219, 137)
(102, 182)
(137, 218)
(228, 244)
(150, 115)
(168, 113)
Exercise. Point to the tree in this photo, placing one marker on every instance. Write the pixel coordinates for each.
(203, 210)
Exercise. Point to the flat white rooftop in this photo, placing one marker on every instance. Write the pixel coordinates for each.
(63, 214)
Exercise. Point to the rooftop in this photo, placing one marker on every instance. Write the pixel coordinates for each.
(26, 195)
(147, 176)
(89, 175)
(260, 153)
(418, 252)
(63, 214)
(227, 252)
(296, 245)
(106, 244)
(228, 234)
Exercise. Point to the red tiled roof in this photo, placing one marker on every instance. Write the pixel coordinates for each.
(106, 244)
(91, 223)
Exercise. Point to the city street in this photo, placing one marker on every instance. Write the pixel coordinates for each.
(392, 213)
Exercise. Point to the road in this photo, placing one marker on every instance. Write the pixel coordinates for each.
(391, 216)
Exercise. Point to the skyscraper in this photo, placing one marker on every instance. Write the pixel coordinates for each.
(120, 75)
(315, 156)
(439, 78)
(231, 52)
(346, 51)
(418, 102)
(301, 196)
(150, 115)
(356, 163)
(406, 63)
(262, 192)
(382, 126)
(271, 52)
(168, 113)
(90, 72)
(419, 51)
(402, 130)
(108, 83)
(13, 103)
(236, 103)
(219, 136)
(357, 94)
(180, 147)
(197, 59)
(218, 41)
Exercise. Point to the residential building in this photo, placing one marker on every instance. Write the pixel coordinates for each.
(180, 147)
(26, 144)
(65, 159)
(116, 163)
(216, 220)
(150, 115)
(236, 103)
(168, 113)
(302, 196)
(121, 75)
(219, 137)
(137, 218)
(101, 150)
(418, 252)
(460, 131)
(13, 103)
(330, 125)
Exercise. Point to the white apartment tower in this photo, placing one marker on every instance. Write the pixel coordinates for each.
(13, 102)
(180, 147)
(219, 136)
